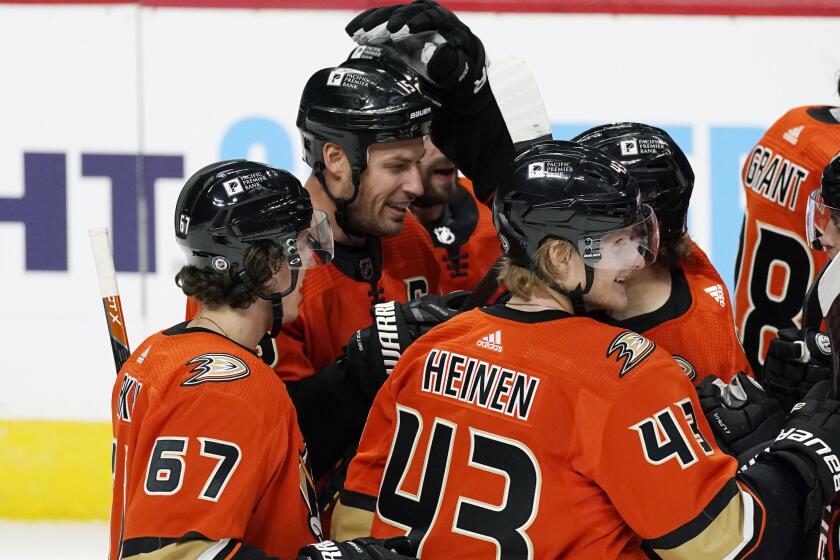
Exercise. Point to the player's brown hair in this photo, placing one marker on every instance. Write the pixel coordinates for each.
(672, 252)
(522, 281)
(214, 288)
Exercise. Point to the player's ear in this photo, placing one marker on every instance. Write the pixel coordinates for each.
(559, 254)
(335, 160)
(561, 262)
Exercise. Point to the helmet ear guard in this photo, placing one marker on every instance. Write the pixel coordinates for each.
(514, 245)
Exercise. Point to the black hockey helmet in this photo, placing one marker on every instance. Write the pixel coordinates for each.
(385, 56)
(564, 190)
(363, 101)
(830, 182)
(824, 204)
(226, 206)
(656, 162)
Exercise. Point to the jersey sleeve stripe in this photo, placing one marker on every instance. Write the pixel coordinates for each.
(358, 500)
(220, 550)
(157, 548)
(723, 529)
(144, 545)
(699, 524)
(760, 522)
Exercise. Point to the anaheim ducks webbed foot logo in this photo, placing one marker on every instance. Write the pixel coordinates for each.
(632, 347)
(216, 368)
(686, 366)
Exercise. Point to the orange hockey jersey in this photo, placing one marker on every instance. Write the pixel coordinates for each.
(775, 266)
(337, 298)
(206, 441)
(503, 434)
(465, 240)
(701, 336)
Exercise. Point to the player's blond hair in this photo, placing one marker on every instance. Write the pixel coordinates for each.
(524, 282)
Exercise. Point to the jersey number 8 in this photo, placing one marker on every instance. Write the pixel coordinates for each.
(777, 276)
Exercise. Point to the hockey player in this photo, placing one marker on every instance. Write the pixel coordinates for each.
(526, 430)
(362, 126)
(798, 358)
(459, 225)
(681, 298)
(680, 301)
(775, 266)
(208, 459)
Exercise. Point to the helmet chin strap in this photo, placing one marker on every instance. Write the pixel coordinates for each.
(276, 298)
(341, 204)
(575, 295)
(276, 314)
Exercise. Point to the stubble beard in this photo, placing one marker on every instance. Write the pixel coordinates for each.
(367, 222)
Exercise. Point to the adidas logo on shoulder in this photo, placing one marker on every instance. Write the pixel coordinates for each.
(492, 341)
(716, 292)
(792, 135)
(142, 357)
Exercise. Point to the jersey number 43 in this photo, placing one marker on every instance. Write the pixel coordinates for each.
(504, 525)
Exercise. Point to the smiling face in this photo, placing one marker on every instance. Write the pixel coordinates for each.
(438, 174)
(608, 291)
(620, 257)
(389, 185)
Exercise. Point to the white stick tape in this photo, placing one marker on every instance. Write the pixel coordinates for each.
(100, 242)
(519, 99)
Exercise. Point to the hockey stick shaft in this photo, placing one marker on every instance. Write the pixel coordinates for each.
(521, 105)
(100, 243)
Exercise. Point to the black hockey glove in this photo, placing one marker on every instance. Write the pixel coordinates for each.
(372, 353)
(794, 365)
(366, 548)
(455, 69)
(810, 443)
(740, 413)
